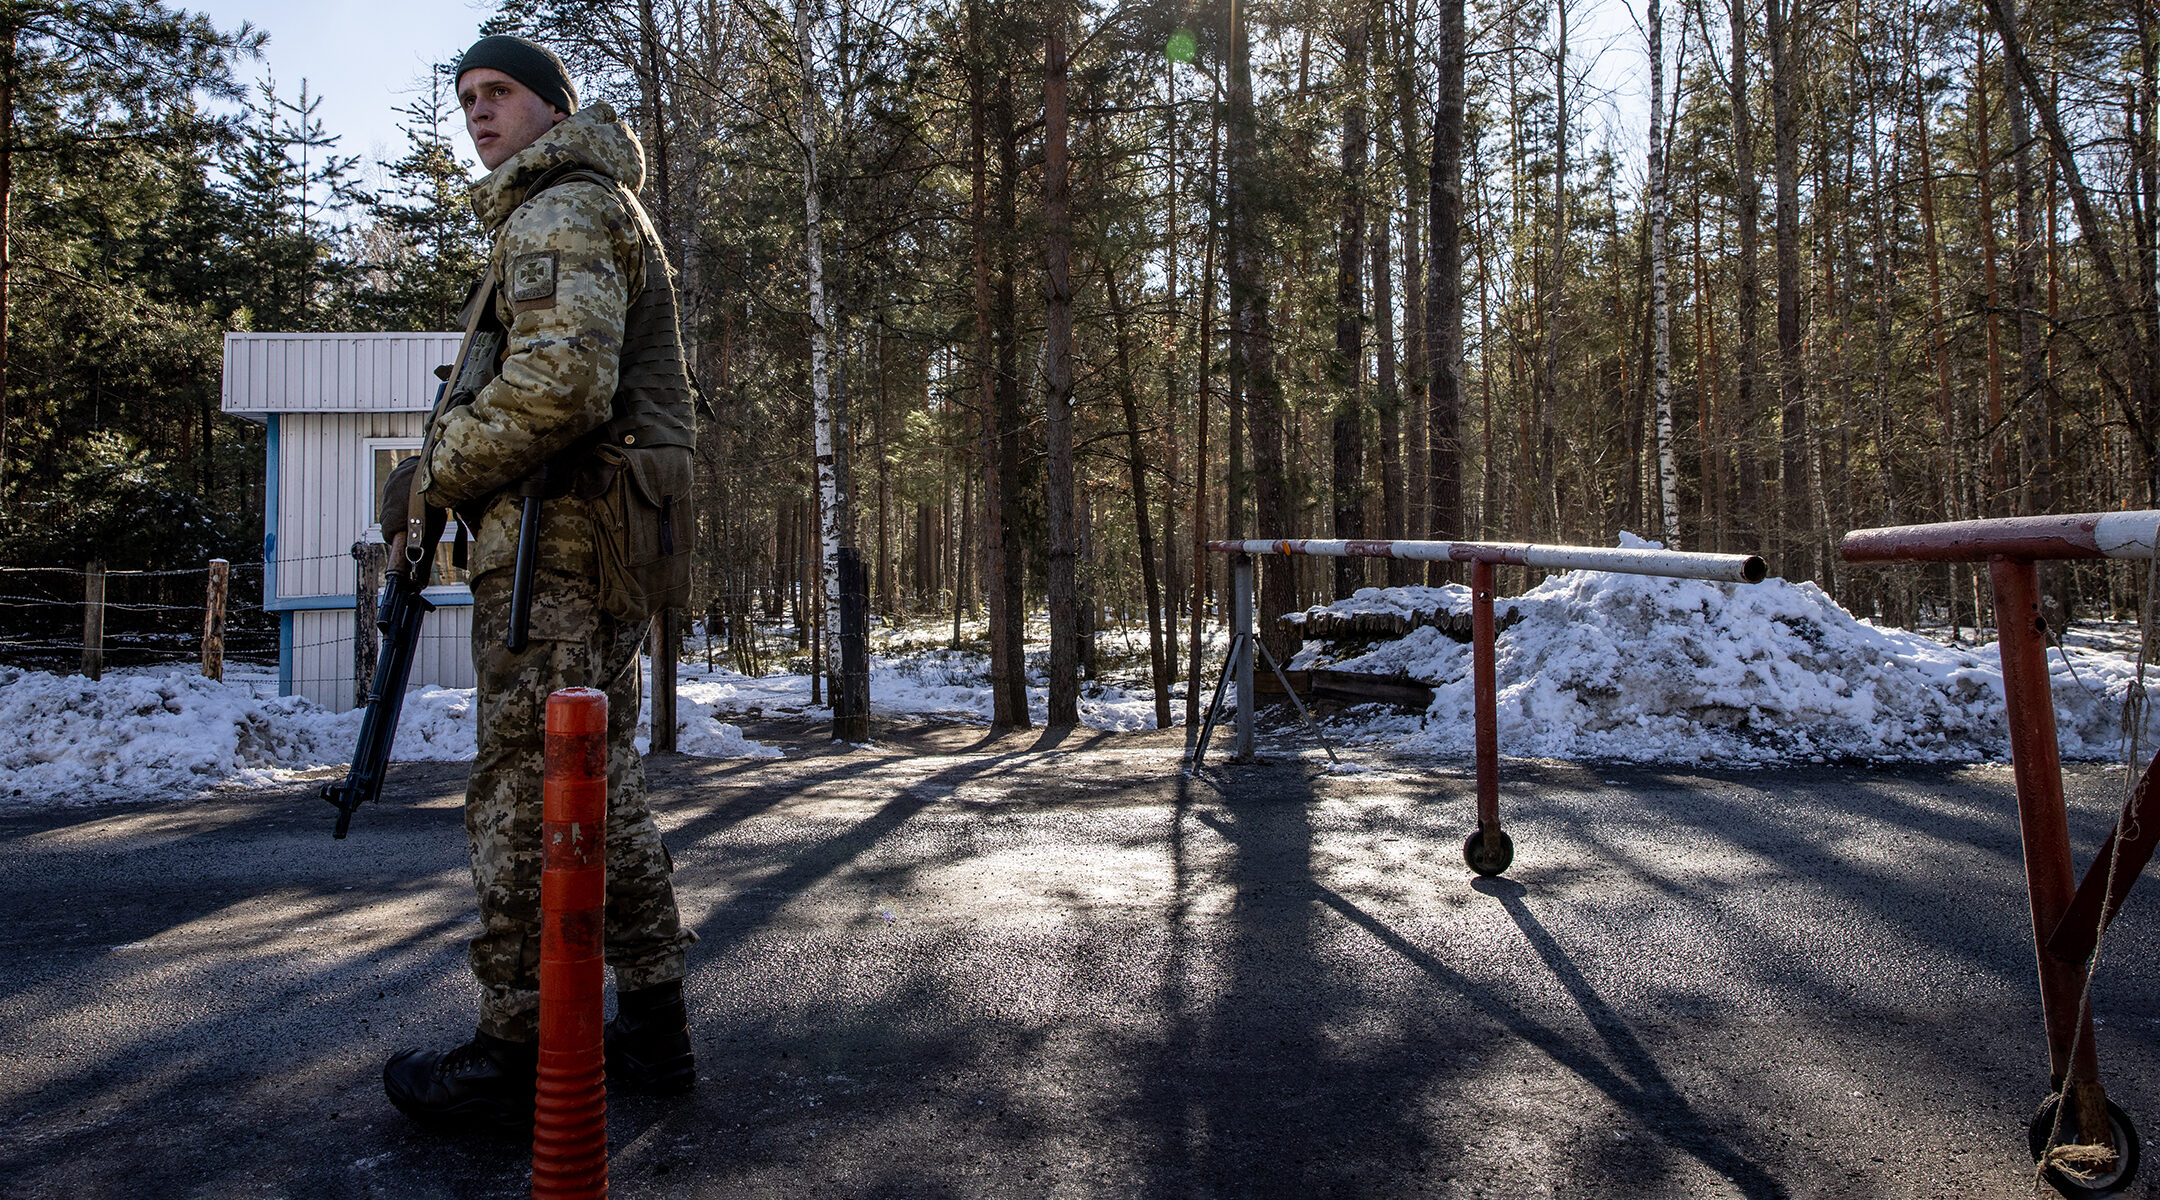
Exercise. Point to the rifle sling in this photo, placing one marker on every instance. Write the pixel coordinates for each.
(424, 523)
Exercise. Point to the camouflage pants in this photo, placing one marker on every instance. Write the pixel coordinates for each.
(572, 644)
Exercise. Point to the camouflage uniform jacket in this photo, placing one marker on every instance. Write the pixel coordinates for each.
(571, 262)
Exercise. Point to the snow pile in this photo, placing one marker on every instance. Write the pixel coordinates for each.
(151, 734)
(1603, 665)
(1414, 601)
(155, 735)
(701, 729)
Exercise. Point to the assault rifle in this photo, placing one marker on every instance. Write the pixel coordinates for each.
(404, 603)
(399, 614)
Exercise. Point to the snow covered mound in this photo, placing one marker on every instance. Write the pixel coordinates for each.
(1414, 601)
(164, 735)
(1601, 665)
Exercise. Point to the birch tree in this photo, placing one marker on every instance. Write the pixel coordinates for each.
(1660, 306)
(828, 419)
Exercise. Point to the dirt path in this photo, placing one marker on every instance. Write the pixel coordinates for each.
(956, 966)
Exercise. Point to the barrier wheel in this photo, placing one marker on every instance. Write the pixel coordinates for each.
(1488, 858)
(2073, 1183)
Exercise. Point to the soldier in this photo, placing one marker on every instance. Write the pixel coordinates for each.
(591, 382)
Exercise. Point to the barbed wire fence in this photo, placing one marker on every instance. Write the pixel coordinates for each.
(89, 619)
(752, 618)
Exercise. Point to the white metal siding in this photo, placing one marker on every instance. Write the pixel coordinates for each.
(333, 372)
(324, 492)
(323, 654)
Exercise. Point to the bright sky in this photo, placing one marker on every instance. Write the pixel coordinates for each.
(366, 60)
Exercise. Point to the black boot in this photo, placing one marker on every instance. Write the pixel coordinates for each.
(487, 1083)
(648, 1042)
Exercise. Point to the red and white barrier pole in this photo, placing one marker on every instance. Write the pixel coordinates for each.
(1488, 849)
(1675, 564)
(2066, 920)
(570, 1107)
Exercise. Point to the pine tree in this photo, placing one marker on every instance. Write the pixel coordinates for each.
(421, 246)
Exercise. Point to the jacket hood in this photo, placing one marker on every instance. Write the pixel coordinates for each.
(593, 137)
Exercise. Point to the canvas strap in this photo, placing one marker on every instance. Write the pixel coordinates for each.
(423, 522)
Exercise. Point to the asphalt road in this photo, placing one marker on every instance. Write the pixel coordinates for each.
(955, 967)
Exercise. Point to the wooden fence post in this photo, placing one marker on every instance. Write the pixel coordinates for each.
(851, 698)
(213, 628)
(93, 622)
(374, 559)
(665, 652)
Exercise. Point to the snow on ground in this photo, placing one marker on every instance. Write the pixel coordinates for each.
(938, 683)
(1591, 666)
(1602, 665)
(158, 734)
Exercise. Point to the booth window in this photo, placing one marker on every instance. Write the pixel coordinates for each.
(384, 457)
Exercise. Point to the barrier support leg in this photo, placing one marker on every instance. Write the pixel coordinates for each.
(1488, 849)
(2035, 760)
(1241, 621)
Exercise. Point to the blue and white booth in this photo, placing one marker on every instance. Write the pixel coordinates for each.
(341, 409)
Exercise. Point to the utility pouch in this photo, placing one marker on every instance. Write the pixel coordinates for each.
(643, 523)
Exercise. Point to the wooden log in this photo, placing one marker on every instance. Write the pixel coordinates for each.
(666, 649)
(93, 654)
(213, 630)
(1352, 687)
(1265, 683)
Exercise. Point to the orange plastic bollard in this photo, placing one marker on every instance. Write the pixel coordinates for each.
(570, 1109)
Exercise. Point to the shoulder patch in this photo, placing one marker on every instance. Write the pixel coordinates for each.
(532, 277)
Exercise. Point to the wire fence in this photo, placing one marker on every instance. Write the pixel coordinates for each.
(64, 619)
(52, 618)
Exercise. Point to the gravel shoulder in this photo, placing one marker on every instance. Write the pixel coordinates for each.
(953, 965)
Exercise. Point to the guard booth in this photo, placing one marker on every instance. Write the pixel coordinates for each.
(341, 410)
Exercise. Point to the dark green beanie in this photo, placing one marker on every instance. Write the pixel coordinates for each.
(526, 61)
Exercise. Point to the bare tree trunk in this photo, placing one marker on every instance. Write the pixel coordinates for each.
(884, 575)
(1950, 431)
(9, 68)
(1747, 201)
(2133, 318)
(2036, 478)
(994, 538)
(1011, 576)
(1794, 515)
(1895, 593)
(1443, 283)
(1543, 470)
(1255, 338)
(1203, 400)
(1418, 398)
(1998, 476)
(652, 76)
(1174, 325)
(1346, 367)
(1159, 650)
(1064, 578)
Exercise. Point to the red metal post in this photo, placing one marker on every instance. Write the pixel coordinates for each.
(2079, 930)
(570, 1108)
(2037, 763)
(1485, 687)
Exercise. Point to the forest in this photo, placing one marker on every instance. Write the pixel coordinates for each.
(1026, 300)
